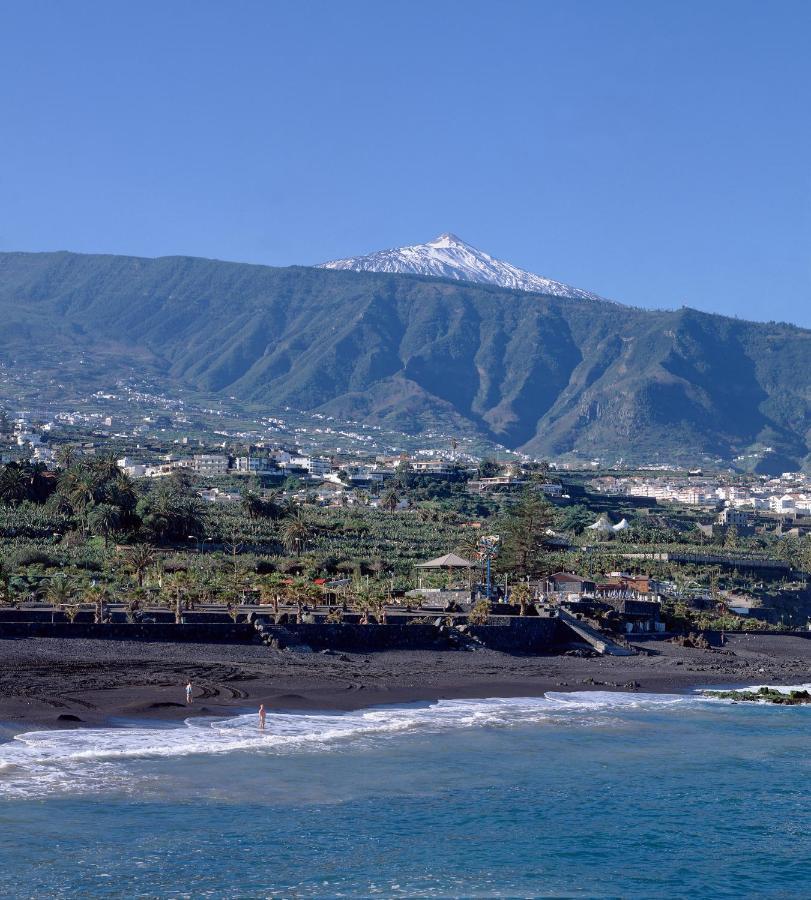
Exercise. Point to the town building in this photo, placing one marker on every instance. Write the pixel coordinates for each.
(210, 464)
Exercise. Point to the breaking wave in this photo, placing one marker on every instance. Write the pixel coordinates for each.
(89, 759)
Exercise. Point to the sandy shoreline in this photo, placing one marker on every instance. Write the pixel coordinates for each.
(58, 682)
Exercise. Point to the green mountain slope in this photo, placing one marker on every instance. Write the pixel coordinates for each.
(546, 374)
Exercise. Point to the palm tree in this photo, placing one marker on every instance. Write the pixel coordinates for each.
(369, 602)
(480, 613)
(296, 532)
(270, 589)
(96, 595)
(5, 582)
(120, 491)
(104, 519)
(390, 500)
(60, 591)
(274, 508)
(14, 484)
(302, 592)
(79, 487)
(176, 587)
(522, 595)
(66, 456)
(140, 557)
(106, 466)
(252, 505)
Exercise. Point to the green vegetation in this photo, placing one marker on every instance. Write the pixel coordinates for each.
(549, 375)
(87, 528)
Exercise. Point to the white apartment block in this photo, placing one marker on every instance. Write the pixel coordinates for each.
(210, 463)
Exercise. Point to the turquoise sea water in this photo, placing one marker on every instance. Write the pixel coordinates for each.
(590, 794)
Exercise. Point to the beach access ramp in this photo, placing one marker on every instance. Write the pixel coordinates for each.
(594, 638)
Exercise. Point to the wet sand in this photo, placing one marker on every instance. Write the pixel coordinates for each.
(69, 682)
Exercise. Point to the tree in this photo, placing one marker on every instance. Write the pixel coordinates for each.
(104, 519)
(390, 500)
(480, 613)
(60, 591)
(574, 518)
(80, 487)
(488, 468)
(139, 558)
(369, 602)
(66, 456)
(302, 593)
(176, 587)
(522, 595)
(97, 596)
(14, 484)
(524, 533)
(106, 466)
(296, 532)
(171, 512)
(5, 582)
(252, 505)
(271, 588)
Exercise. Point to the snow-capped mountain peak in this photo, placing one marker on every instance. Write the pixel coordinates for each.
(448, 256)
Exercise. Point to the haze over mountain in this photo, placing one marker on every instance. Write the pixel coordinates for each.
(448, 256)
(547, 374)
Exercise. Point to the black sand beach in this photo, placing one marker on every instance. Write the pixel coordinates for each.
(57, 682)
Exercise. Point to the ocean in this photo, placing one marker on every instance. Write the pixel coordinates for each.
(586, 794)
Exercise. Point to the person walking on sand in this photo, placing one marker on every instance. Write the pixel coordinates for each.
(262, 716)
(188, 693)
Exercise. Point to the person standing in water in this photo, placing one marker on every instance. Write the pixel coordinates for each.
(188, 693)
(262, 716)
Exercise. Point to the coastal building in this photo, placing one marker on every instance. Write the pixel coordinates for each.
(437, 467)
(131, 467)
(732, 516)
(215, 495)
(319, 466)
(247, 465)
(210, 463)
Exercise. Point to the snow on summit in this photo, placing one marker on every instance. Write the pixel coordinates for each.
(448, 256)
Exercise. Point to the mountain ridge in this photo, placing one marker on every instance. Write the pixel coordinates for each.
(549, 375)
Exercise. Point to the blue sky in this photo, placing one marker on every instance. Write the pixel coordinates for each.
(656, 153)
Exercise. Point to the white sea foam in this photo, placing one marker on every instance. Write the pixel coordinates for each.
(95, 758)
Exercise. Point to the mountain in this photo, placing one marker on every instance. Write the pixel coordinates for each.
(550, 375)
(450, 257)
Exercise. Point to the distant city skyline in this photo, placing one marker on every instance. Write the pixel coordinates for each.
(657, 155)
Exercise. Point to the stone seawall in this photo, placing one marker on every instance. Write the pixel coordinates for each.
(510, 635)
(358, 638)
(519, 634)
(157, 631)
